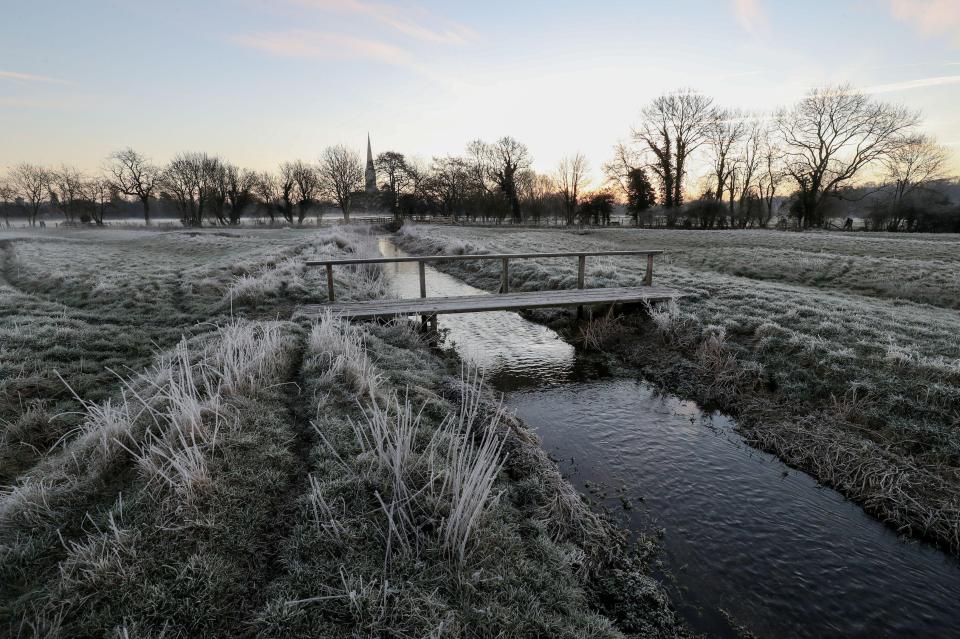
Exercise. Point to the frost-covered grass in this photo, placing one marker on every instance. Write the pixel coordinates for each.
(429, 512)
(178, 460)
(818, 341)
(83, 306)
(916, 267)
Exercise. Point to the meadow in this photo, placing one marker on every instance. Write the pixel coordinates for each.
(838, 352)
(181, 458)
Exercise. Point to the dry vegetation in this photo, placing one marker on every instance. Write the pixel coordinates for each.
(180, 460)
(836, 351)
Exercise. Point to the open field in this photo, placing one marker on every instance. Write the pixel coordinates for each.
(181, 460)
(839, 352)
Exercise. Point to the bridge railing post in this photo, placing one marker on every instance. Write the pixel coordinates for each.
(330, 282)
(505, 276)
(581, 273)
(648, 276)
(422, 268)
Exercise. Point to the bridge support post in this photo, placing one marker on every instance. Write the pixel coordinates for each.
(428, 326)
(330, 282)
(505, 276)
(648, 276)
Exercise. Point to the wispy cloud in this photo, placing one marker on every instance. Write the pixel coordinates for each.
(29, 77)
(303, 43)
(412, 22)
(931, 17)
(908, 85)
(323, 46)
(751, 15)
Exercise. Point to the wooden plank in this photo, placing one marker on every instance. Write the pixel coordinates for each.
(487, 256)
(502, 302)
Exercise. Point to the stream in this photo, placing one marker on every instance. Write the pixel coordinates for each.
(748, 541)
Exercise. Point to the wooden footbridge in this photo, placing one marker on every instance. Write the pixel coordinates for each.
(429, 307)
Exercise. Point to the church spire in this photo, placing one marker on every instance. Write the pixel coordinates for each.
(371, 174)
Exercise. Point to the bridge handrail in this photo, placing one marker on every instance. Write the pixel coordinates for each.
(474, 256)
(503, 257)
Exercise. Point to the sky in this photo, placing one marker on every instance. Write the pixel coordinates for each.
(260, 82)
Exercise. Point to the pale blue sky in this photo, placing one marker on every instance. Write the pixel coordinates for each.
(261, 82)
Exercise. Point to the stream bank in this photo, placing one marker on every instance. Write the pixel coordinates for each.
(748, 542)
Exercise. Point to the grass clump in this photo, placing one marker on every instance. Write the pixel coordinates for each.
(429, 512)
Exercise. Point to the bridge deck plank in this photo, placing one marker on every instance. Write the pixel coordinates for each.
(492, 302)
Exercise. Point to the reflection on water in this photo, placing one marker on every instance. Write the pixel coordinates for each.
(744, 533)
(512, 351)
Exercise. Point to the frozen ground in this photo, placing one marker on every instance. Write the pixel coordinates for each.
(179, 459)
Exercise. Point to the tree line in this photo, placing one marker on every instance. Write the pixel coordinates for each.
(797, 162)
(688, 163)
(198, 186)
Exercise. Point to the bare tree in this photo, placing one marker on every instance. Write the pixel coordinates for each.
(617, 171)
(101, 191)
(830, 137)
(478, 164)
(772, 176)
(672, 128)
(450, 181)
(179, 180)
(911, 167)
(286, 185)
(539, 194)
(744, 187)
(7, 196)
(571, 179)
(307, 188)
(508, 158)
(32, 184)
(342, 174)
(241, 189)
(417, 176)
(500, 164)
(723, 137)
(135, 176)
(190, 178)
(67, 187)
(393, 166)
(217, 194)
(267, 191)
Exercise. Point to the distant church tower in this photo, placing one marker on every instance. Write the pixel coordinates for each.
(371, 176)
